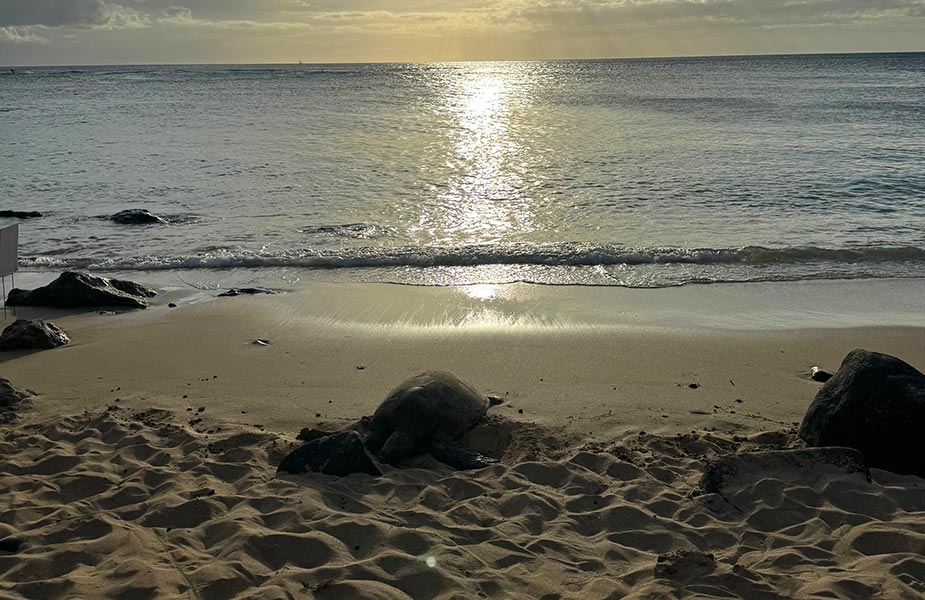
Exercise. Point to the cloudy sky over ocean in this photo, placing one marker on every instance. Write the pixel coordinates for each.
(230, 31)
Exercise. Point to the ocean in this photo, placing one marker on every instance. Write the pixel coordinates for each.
(635, 173)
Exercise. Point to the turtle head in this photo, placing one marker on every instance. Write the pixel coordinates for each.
(375, 437)
(398, 447)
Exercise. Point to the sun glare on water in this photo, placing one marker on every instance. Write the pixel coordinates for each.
(482, 201)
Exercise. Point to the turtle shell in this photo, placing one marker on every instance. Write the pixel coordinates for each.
(435, 404)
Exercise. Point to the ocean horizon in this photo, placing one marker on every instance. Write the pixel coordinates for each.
(487, 60)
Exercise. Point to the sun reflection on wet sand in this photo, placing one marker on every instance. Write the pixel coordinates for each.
(483, 291)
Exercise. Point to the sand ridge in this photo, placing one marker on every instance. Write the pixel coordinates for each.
(137, 504)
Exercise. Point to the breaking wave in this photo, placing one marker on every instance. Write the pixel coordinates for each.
(558, 254)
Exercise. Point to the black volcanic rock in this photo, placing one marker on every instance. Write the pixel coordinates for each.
(20, 214)
(876, 404)
(338, 454)
(246, 292)
(80, 290)
(137, 216)
(32, 335)
(10, 395)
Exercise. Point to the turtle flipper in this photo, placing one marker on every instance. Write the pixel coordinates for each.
(449, 451)
(397, 448)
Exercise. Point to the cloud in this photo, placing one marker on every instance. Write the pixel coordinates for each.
(21, 35)
(77, 14)
(255, 30)
(596, 14)
(179, 15)
(570, 17)
(431, 15)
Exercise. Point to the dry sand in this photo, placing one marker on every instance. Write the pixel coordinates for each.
(145, 467)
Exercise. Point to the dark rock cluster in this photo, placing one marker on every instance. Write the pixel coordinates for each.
(137, 216)
(246, 292)
(32, 335)
(20, 214)
(80, 290)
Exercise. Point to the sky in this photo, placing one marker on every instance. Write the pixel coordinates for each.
(71, 32)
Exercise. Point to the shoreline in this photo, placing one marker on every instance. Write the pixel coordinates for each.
(735, 306)
(337, 349)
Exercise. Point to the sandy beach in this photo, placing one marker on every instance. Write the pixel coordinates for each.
(145, 467)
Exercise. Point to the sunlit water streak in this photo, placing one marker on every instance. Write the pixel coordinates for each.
(638, 173)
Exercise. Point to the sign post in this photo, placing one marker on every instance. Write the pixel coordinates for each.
(9, 258)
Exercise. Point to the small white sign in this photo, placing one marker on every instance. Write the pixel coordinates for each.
(9, 250)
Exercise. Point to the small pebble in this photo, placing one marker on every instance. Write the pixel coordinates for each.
(171, 305)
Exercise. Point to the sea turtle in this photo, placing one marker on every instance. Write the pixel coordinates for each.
(429, 412)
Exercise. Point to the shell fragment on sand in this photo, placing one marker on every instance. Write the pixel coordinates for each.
(817, 374)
